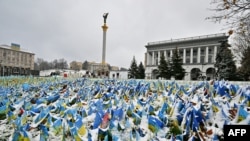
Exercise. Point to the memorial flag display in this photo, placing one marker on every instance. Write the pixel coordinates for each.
(55, 109)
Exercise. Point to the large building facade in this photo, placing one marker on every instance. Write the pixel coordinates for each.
(198, 55)
(15, 61)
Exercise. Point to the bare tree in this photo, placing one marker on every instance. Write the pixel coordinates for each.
(235, 13)
(55, 64)
(62, 64)
(241, 44)
(41, 64)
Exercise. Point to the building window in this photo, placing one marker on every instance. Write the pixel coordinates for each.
(202, 59)
(210, 59)
(194, 60)
(194, 51)
(209, 51)
(202, 52)
(181, 52)
(187, 60)
(187, 52)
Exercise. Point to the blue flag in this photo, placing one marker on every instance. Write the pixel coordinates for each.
(97, 121)
(154, 124)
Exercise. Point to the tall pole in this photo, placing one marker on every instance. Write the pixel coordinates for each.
(104, 28)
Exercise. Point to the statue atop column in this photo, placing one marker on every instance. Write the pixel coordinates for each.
(105, 15)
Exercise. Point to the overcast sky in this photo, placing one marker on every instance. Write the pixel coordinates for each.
(71, 29)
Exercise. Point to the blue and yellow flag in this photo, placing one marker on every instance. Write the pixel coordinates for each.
(57, 126)
(242, 113)
(154, 124)
(81, 130)
(44, 134)
(20, 135)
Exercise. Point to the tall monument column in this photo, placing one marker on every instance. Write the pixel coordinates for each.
(104, 72)
(104, 28)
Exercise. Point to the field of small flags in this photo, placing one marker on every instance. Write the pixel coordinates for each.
(81, 109)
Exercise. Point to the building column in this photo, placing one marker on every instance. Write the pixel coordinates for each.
(159, 56)
(105, 28)
(147, 63)
(206, 56)
(199, 55)
(153, 58)
(215, 53)
(191, 55)
(171, 53)
(184, 56)
(165, 54)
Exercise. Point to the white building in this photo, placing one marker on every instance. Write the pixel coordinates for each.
(118, 74)
(198, 54)
(63, 73)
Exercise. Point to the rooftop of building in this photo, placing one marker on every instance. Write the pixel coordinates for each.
(188, 39)
(16, 47)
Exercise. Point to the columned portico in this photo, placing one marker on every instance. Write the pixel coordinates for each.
(197, 52)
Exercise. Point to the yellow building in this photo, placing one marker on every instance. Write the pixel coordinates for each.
(74, 65)
(15, 61)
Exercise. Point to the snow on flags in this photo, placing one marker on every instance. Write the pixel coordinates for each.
(44, 134)
(81, 130)
(42, 115)
(121, 107)
(57, 126)
(117, 114)
(154, 124)
(242, 113)
(3, 109)
(20, 135)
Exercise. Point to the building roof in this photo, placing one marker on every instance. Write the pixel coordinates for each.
(188, 39)
(19, 49)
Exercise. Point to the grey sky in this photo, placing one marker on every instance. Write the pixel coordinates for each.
(71, 29)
